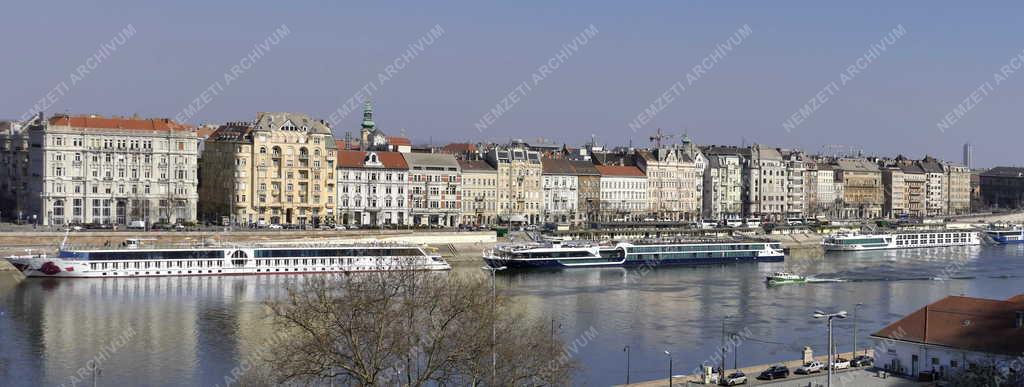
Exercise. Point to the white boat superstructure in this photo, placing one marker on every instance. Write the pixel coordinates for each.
(135, 261)
(901, 240)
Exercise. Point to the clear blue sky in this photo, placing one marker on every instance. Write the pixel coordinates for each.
(335, 48)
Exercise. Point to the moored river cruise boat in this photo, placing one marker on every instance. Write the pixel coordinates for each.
(132, 260)
(900, 240)
(1007, 235)
(636, 253)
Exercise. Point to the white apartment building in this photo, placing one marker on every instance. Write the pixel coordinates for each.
(935, 187)
(795, 183)
(93, 169)
(372, 188)
(723, 184)
(436, 189)
(623, 193)
(560, 186)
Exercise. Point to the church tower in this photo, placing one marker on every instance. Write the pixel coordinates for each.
(368, 125)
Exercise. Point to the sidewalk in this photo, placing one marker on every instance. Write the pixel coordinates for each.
(753, 371)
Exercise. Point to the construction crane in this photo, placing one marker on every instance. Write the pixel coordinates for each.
(656, 139)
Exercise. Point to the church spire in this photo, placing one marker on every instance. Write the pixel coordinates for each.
(368, 115)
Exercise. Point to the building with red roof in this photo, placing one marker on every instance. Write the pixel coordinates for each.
(954, 334)
(106, 170)
(372, 188)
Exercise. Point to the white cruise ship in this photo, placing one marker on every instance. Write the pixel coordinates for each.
(136, 261)
(900, 240)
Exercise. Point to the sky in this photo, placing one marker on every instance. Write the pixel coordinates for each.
(938, 83)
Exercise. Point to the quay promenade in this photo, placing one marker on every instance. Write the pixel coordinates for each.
(861, 376)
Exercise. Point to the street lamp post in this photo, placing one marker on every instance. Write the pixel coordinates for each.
(721, 370)
(855, 307)
(494, 332)
(669, 354)
(829, 316)
(626, 350)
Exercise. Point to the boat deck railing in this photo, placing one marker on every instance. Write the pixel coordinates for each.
(235, 245)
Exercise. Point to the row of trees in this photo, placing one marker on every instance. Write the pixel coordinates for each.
(407, 328)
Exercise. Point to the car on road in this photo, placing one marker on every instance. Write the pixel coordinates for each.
(340, 227)
(862, 361)
(810, 368)
(275, 226)
(734, 379)
(840, 364)
(774, 372)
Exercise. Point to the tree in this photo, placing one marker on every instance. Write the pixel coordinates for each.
(408, 327)
(988, 372)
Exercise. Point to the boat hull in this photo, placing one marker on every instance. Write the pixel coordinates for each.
(493, 261)
(53, 267)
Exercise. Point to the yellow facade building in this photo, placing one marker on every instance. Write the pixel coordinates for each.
(278, 169)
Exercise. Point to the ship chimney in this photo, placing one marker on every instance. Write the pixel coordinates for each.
(1020, 320)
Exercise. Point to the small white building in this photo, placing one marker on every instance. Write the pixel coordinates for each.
(623, 193)
(560, 186)
(372, 188)
(954, 334)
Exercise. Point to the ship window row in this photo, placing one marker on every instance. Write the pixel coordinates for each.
(871, 241)
(933, 236)
(553, 254)
(321, 261)
(146, 255)
(336, 253)
(713, 254)
(156, 265)
(930, 241)
(668, 249)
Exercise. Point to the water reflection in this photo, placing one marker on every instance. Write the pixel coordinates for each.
(195, 330)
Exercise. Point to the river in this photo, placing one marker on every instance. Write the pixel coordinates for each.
(194, 331)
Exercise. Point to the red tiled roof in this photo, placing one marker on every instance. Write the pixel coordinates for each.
(357, 159)
(967, 323)
(616, 170)
(205, 132)
(398, 141)
(98, 122)
(459, 147)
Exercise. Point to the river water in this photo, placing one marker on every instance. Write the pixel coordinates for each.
(194, 331)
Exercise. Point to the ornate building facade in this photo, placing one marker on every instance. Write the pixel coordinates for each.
(279, 169)
(372, 188)
(94, 169)
(479, 193)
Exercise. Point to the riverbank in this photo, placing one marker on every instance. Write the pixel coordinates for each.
(753, 371)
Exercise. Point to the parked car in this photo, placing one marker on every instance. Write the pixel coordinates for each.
(340, 227)
(862, 361)
(73, 227)
(734, 379)
(840, 364)
(810, 368)
(275, 226)
(774, 372)
(137, 224)
(650, 220)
